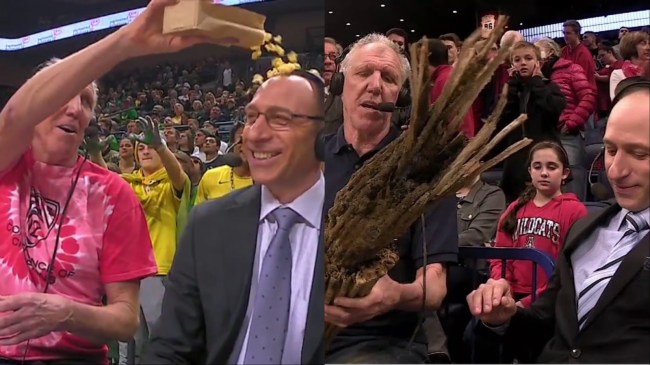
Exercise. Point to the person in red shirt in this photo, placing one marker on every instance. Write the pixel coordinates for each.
(71, 232)
(580, 104)
(540, 219)
(607, 56)
(577, 52)
(440, 75)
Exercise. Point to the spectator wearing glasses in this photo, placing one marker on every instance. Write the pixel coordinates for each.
(226, 301)
(333, 105)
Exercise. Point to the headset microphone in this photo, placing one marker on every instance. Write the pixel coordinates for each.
(598, 190)
(385, 107)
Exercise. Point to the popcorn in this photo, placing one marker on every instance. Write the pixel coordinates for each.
(273, 44)
(292, 57)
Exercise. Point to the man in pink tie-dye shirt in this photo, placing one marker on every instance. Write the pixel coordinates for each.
(71, 232)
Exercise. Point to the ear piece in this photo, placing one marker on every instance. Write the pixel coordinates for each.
(319, 145)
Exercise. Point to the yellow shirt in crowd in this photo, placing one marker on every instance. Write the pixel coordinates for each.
(220, 181)
(161, 206)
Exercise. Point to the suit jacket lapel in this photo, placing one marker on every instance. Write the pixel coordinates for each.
(629, 267)
(315, 326)
(578, 235)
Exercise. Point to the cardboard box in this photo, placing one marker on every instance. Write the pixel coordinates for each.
(204, 18)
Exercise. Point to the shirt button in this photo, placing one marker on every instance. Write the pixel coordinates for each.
(575, 353)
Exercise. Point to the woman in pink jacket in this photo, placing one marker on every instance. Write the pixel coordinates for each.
(580, 97)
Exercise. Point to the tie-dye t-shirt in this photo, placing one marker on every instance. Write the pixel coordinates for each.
(103, 239)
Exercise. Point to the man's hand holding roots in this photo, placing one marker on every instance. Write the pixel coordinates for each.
(383, 297)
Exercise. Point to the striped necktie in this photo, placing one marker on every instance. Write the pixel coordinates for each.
(598, 280)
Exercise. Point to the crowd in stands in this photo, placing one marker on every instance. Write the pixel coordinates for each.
(173, 133)
(534, 199)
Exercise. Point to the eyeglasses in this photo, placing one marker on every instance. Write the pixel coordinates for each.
(276, 119)
(332, 56)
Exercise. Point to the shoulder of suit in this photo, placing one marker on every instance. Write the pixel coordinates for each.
(208, 209)
(610, 209)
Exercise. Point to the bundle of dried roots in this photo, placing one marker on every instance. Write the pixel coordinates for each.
(431, 160)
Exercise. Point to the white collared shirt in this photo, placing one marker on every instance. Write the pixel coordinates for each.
(593, 253)
(304, 240)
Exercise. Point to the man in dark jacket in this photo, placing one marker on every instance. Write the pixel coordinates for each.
(596, 308)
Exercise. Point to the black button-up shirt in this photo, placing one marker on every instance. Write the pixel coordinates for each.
(439, 232)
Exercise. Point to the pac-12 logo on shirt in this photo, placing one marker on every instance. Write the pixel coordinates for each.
(42, 217)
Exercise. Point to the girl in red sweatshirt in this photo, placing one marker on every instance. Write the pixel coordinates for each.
(539, 219)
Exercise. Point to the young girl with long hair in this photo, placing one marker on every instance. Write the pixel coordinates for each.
(540, 218)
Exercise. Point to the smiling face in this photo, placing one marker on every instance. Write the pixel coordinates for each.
(57, 139)
(281, 149)
(373, 75)
(547, 172)
(627, 151)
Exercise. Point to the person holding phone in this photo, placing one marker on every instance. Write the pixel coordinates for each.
(529, 92)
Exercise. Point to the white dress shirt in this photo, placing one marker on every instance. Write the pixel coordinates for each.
(593, 253)
(304, 238)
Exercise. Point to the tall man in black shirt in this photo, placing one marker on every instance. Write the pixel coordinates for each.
(377, 328)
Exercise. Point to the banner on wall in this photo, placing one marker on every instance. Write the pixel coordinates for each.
(86, 26)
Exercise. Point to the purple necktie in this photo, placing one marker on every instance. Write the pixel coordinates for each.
(270, 317)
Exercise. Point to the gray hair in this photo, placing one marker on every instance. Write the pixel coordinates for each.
(377, 38)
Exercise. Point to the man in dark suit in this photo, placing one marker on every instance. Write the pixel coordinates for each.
(597, 304)
(253, 292)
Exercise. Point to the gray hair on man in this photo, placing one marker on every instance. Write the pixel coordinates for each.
(377, 38)
(511, 36)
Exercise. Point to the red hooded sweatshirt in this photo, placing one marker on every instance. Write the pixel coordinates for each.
(543, 228)
(439, 79)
